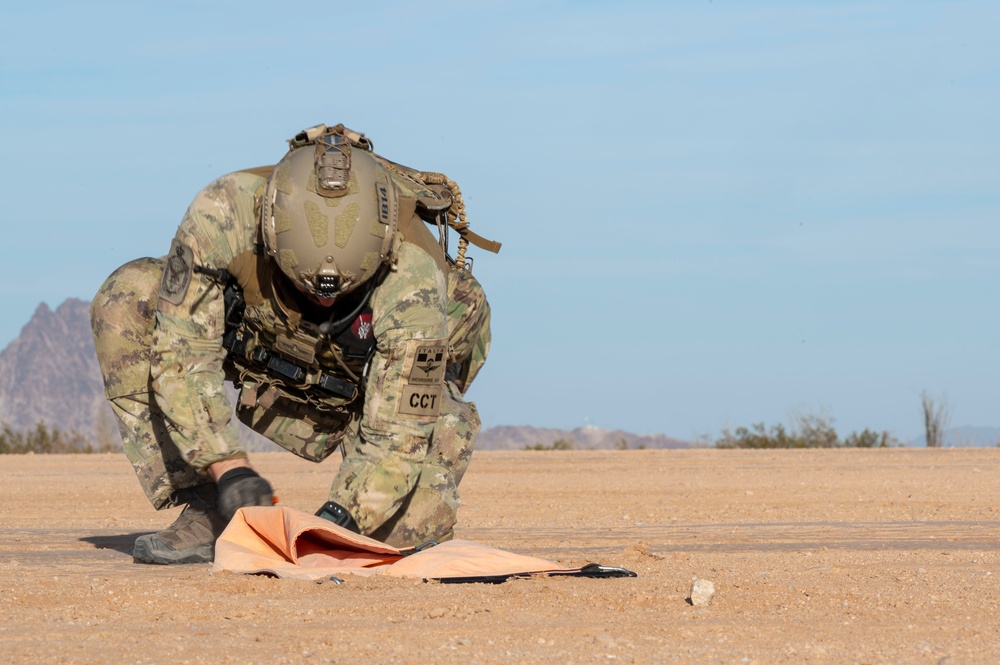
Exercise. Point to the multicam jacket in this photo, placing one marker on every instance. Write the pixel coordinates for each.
(404, 330)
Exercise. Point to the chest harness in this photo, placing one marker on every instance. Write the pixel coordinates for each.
(268, 342)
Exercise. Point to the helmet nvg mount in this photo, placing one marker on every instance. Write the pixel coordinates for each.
(330, 212)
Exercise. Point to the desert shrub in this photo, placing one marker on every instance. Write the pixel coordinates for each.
(869, 439)
(809, 431)
(45, 440)
(558, 444)
(936, 415)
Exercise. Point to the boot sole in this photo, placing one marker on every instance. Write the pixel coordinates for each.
(145, 552)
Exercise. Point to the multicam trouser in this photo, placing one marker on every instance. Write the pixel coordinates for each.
(123, 315)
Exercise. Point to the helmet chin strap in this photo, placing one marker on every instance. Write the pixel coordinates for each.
(287, 296)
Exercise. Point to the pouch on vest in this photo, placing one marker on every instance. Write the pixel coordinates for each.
(296, 426)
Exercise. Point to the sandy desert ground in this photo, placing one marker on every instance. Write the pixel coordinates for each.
(839, 556)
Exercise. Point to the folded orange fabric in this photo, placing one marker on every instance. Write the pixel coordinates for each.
(286, 542)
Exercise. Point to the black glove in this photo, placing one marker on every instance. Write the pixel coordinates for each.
(242, 487)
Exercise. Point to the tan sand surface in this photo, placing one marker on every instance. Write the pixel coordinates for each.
(838, 556)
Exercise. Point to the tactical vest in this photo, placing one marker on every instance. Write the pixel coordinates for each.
(271, 347)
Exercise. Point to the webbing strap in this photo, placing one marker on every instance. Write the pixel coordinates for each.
(481, 242)
(414, 231)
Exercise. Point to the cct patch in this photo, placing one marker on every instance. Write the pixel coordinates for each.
(423, 383)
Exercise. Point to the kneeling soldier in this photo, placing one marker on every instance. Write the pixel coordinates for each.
(318, 290)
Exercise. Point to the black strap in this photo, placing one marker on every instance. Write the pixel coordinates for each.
(592, 570)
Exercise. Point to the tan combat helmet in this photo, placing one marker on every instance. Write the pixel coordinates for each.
(330, 212)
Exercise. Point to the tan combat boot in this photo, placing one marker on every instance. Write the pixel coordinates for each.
(191, 538)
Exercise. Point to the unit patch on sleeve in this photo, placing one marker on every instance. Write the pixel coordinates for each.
(177, 273)
(423, 378)
(428, 368)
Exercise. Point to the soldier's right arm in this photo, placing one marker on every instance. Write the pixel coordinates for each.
(186, 360)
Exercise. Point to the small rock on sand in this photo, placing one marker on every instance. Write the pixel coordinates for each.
(702, 592)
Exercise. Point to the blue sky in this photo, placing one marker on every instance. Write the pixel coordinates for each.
(713, 213)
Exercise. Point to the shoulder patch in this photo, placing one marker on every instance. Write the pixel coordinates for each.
(423, 378)
(176, 273)
(429, 363)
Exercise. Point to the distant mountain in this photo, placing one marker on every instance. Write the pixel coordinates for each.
(581, 438)
(50, 374)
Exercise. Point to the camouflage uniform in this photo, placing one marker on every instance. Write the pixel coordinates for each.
(406, 442)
